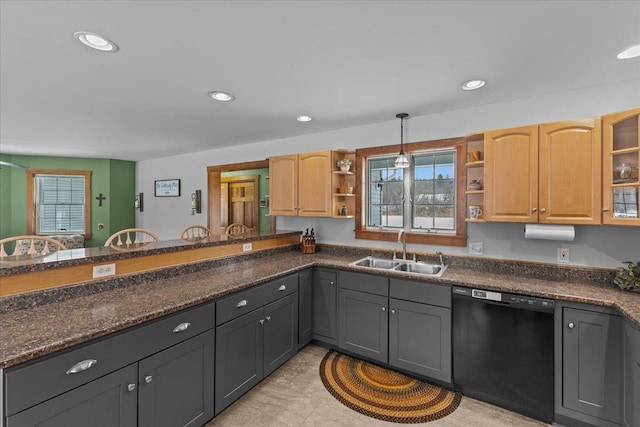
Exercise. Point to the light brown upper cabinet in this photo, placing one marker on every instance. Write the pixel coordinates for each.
(300, 184)
(549, 173)
(620, 160)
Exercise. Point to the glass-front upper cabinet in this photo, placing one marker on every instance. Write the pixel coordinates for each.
(621, 157)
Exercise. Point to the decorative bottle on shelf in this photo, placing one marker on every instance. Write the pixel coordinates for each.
(343, 210)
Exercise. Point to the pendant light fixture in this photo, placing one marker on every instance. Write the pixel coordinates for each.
(401, 161)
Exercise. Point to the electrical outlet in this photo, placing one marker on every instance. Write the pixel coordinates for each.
(563, 254)
(104, 270)
(247, 247)
(475, 248)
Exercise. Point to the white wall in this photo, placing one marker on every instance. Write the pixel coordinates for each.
(603, 246)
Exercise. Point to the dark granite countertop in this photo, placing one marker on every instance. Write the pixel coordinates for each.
(72, 257)
(30, 332)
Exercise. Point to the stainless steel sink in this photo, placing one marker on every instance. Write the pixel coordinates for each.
(422, 268)
(372, 262)
(402, 265)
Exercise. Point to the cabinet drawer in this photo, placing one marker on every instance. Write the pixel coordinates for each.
(37, 381)
(377, 285)
(427, 293)
(280, 288)
(239, 303)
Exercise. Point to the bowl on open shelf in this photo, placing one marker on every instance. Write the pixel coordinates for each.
(474, 185)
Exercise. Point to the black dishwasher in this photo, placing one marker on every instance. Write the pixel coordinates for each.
(503, 350)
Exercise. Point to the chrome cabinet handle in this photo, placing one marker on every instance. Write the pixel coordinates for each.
(534, 210)
(331, 283)
(241, 303)
(131, 387)
(393, 311)
(571, 325)
(384, 308)
(282, 288)
(605, 209)
(268, 318)
(542, 210)
(81, 366)
(148, 379)
(181, 327)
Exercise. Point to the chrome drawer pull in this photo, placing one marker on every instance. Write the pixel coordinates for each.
(282, 288)
(81, 366)
(241, 303)
(181, 327)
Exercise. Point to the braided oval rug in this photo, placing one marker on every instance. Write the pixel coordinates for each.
(382, 393)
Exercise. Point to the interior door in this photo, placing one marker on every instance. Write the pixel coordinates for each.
(239, 201)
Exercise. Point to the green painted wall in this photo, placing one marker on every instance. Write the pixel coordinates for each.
(115, 179)
(265, 222)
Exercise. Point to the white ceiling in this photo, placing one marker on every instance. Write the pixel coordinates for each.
(346, 63)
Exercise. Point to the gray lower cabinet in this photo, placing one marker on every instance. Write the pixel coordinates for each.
(420, 339)
(380, 319)
(105, 402)
(591, 366)
(176, 385)
(305, 308)
(325, 302)
(253, 345)
(171, 388)
(157, 374)
(363, 324)
(631, 377)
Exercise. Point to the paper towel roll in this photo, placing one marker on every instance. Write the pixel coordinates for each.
(549, 232)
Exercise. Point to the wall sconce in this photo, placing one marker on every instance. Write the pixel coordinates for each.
(196, 202)
(139, 202)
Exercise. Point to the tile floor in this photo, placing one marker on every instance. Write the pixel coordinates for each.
(294, 396)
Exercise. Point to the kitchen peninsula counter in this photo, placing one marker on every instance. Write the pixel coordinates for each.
(49, 326)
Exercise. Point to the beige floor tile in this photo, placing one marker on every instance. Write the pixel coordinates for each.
(294, 396)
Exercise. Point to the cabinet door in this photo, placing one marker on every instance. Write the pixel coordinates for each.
(283, 185)
(420, 339)
(280, 332)
(305, 312)
(314, 184)
(363, 324)
(325, 302)
(592, 363)
(176, 385)
(105, 402)
(511, 175)
(631, 377)
(620, 161)
(239, 357)
(570, 172)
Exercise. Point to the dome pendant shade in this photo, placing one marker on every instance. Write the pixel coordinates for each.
(401, 161)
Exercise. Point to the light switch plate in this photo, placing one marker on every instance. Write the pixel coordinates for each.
(104, 270)
(246, 247)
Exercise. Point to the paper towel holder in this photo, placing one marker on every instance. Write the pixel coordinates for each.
(550, 232)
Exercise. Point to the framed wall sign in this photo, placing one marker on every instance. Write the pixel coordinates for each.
(167, 188)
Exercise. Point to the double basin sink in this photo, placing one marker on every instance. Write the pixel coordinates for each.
(405, 265)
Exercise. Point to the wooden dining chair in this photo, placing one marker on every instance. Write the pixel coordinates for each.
(31, 245)
(237, 229)
(131, 236)
(195, 232)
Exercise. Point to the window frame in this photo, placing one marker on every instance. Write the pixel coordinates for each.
(31, 199)
(459, 238)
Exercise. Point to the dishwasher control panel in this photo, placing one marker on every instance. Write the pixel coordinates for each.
(519, 301)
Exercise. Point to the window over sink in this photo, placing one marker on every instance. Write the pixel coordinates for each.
(425, 200)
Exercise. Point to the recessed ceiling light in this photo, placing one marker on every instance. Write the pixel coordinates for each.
(221, 96)
(631, 52)
(304, 118)
(95, 41)
(473, 84)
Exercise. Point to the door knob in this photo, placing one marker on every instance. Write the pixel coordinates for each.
(571, 325)
(534, 210)
(542, 210)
